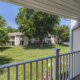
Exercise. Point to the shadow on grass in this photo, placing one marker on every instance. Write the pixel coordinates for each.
(45, 46)
(4, 60)
(4, 48)
(65, 45)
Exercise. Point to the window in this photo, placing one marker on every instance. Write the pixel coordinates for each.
(49, 42)
(21, 42)
(49, 36)
(22, 36)
(12, 43)
(12, 37)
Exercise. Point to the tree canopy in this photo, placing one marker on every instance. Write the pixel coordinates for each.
(62, 33)
(3, 36)
(10, 29)
(34, 23)
(3, 33)
(2, 22)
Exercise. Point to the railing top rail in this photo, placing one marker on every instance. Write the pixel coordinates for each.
(72, 52)
(65, 54)
(24, 62)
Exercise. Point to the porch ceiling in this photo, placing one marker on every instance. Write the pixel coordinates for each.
(66, 8)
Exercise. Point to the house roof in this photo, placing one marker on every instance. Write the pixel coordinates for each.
(75, 27)
(75, 24)
(15, 34)
(66, 8)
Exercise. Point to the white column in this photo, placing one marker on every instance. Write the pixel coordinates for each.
(25, 40)
(74, 24)
(17, 40)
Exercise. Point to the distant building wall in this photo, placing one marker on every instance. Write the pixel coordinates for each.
(20, 39)
(53, 40)
(25, 40)
(17, 40)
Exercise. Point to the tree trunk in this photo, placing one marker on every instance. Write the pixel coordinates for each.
(41, 43)
(58, 40)
(29, 40)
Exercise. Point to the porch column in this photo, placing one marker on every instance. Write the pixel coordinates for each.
(74, 24)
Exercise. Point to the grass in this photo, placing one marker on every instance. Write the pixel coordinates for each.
(20, 53)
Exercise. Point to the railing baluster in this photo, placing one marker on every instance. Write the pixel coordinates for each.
(17, 72)
(60, 69)
(69, 67)
(8, 73)
(41, 69)
(79, 63)
(63, 69)
(23, 71)
(36, 70)
(72, 65)
(66, 67)
(76, 64)
(46, 69)
(51, 69)
(31, 71)
(0, 74)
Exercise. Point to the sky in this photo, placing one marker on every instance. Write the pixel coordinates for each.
(9, 11)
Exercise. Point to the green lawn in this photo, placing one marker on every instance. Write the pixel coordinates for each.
(21, 53)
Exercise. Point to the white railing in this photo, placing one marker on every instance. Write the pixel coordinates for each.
(58, 67)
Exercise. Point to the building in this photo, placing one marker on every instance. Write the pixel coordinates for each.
(18, 38)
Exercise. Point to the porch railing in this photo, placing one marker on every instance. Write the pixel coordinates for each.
(64, 66)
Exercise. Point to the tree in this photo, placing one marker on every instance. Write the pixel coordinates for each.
(10, 29)
(62, 33)
(34, 23)
(2, 22)
(3, 33)
(3, 36)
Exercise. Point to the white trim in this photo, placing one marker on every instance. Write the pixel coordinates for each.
(75, 27)
(70, 39)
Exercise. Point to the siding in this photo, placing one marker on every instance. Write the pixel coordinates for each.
(76, 39)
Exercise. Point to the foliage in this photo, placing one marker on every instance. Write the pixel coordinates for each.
(35, 23)
(3, 33)
(3, 36)
(62, 33)
(2, 22)
(10, 29)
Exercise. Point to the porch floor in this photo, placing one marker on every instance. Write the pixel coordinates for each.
(76, 78)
